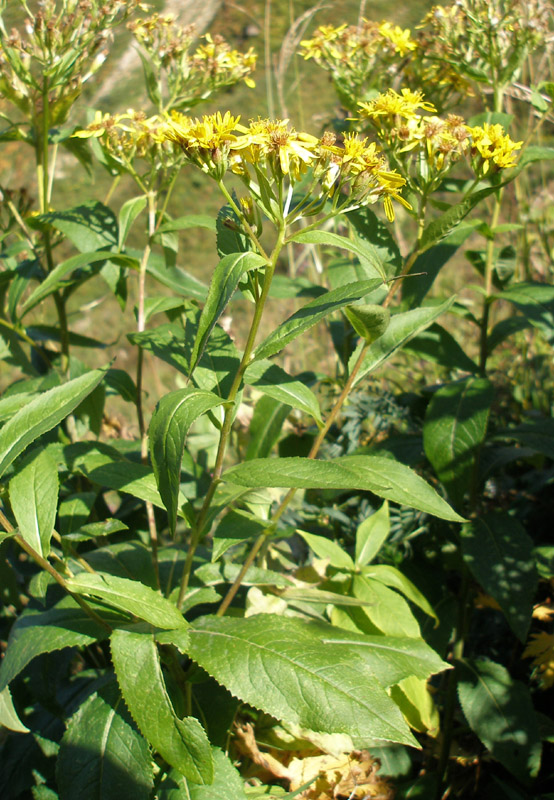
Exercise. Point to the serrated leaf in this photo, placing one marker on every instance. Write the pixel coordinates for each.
(130, 596)
(281, 666)
(371, 534)
(34, 499)
(224, 282)
(454, 430)
(168, 430)
(367, 254)
(42, 414)
(272, 380)
(500, 711)
(382, 476)
(64, 625)
(8, 715)
(102, 755)
(401, 329)
(499, 554)
(227, 785)
(328, 549)
(182, 743)
(311, 313)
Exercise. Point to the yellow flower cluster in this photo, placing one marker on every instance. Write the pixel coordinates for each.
(127, 135)
(219, 59)
(353, 172)
(392, 104)
(491, 147)
(358, 56)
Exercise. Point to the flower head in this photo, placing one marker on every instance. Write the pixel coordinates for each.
(288, 152)
(205, 141)
(392, 104)
(541, 649)
(492, 147)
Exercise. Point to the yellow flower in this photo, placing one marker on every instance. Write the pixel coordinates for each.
(288, 151)
(401, 39)
(541, 649)
(210, 132)
(324, 36)
(493, 145)
(391, 103)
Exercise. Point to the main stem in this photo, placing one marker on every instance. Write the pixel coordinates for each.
(230, 412)
(141, 324)
(489, 271)
(320, 438)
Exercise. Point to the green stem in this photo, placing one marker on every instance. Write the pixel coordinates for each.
(47, 567)
(260, 541)
(141, 324)
(489, 271)
(244, 221)
(230, 412)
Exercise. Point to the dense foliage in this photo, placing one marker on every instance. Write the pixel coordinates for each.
(320, 566)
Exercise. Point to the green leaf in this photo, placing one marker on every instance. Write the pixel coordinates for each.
(537, 434)
(368, 255)
(416, 703)
(34, 499)
(8, 714)
(235, 527)
(454, 431)
(267, 377)
(169, 427)
(536, 301)
(440, 228)
(182, 743)
(102, 755)
(130, 596)
(230, 238)
(55, 279)
(382, 476)
(371, 535)
(127, 215)
(227, 783)
(190, 221)
(176, 279)
(224, 282)
(500, 711)
(392, 577)
(42, 414)
(500, 556)
(438, 345)
(311, 313)
(328, 549)
(402, 328)
(282, 666)
(64, 625)
(370, 321)
(265, 426)
(386, 611)
(89, 226)
(376, 237)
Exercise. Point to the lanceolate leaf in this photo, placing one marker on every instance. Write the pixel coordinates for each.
(42, 414)
(328, 549)
(225, 280)
(312, 313)
(401, 329)
(273, 381)
(182, 743)
(64, 625)
(499, 554)
(382, 476)
(366, 253)
(169, 427)
(56, 277)
(8, 714)
(130, 596)
(34, 499)
(102, 755)
(127, 215)
(500, 711)
(265, 426)
(454, 430)
(371, 535)
(390, 576)
(281, 666)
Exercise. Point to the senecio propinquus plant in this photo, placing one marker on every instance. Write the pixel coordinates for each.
(165, 642)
